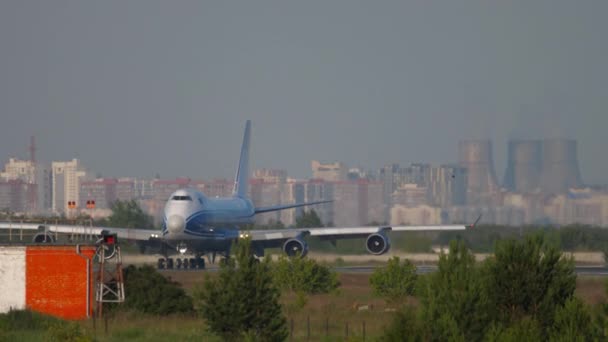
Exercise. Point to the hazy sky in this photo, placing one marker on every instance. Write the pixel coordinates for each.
(135, 88)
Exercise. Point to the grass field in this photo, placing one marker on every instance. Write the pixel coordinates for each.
(351, 310)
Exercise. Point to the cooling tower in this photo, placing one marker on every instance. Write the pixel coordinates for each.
(523, 165)
(476, 156)
(559, 166)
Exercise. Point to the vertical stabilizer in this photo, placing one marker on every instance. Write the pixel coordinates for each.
(242, 173)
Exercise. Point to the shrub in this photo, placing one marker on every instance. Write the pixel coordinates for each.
(528, 278)
(396, 281)
(148, 291)
(243, 302)
(453, 302)
(304, 275)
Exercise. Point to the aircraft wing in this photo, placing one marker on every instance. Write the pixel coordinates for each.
(333, 233)
(260, 210)
(16, 230)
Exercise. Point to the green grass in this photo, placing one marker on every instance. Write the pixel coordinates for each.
(328, 315)
(138, 327)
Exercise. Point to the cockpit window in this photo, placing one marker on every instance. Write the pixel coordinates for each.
(182, 198)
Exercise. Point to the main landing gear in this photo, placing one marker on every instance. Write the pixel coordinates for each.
(181, 263)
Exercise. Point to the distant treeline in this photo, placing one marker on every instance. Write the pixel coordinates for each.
(480, 239)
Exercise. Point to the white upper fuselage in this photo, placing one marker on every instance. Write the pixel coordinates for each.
(189, 214)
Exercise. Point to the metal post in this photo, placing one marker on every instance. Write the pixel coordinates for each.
(88, 261)
(101, 272)
(326, 326)
(346, 330)
(363, 330)
(308, 328)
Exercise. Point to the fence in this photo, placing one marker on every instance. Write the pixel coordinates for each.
(315, 330)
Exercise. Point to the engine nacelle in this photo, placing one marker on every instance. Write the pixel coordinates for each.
(378, 243)
(43, 238)
(295, 246)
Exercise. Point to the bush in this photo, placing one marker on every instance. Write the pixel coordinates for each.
(573, 322)
(243, 302)
(14, 323)
(24, 320)
(525, 329)
(528, 278)
(148, 291)
(396, 281)
(62, 331)
(405, 326)
(304, 275)
(453, 302)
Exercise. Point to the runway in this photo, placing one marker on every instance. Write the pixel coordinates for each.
(425, 269)
(598, 271)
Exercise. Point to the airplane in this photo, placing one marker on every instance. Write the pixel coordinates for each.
(197, 225)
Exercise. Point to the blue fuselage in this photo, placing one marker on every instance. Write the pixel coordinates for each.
(206, 224)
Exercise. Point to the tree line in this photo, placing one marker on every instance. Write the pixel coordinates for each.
(525, 291)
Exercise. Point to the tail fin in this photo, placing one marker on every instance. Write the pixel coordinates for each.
(242, 173)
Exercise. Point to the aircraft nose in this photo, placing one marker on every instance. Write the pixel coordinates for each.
(176, 224)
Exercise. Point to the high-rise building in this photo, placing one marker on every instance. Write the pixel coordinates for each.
(265, 194)
(331, 172)
(105, 191)
(393, 177)
(266, 189)
(358, 203)
(14, 195)
(40, 197)
(447, 185)
(66, 179)
(101, 190)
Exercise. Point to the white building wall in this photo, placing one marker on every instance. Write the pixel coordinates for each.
(66, 183)
(12, 278)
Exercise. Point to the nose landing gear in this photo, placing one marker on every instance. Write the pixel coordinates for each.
(182, 263)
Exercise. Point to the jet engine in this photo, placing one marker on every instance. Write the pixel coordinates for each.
(43, 238)
(378, 243)
(295, 246)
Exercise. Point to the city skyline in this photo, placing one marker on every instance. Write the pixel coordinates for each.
(502, 178)
(165, 88)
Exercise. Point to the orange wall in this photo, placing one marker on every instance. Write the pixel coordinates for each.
(56, 281)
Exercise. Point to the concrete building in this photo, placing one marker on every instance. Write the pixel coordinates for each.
(264, 194)
(101, 190)
(163, 188)
(331, 172)
(317, 190)
(419, 215)
(105, 191)
(578, 206)
(266, 188)
(393, 177)
(40, 197)
(66, 179)
(216, 187)
(357, 203)
(410, 195)
(14, 195)
(447, 185)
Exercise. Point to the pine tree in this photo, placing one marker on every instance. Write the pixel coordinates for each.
(243, 300)
(454, 305)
